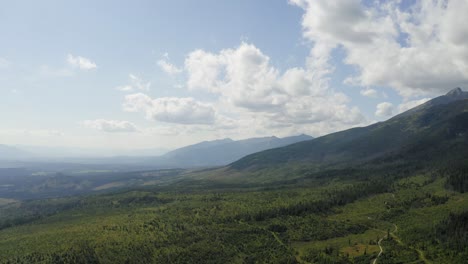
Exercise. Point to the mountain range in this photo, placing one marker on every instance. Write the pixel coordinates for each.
(430, 129)
(204, 154)
(222, 152)
(355, 196)
(425, 133)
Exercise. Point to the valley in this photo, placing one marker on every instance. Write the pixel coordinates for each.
(292, 224)
(392, 192)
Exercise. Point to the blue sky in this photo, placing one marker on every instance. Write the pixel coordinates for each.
(144, 74)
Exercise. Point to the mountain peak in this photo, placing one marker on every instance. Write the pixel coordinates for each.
(455, 92)
(441, 121)
(453, 95)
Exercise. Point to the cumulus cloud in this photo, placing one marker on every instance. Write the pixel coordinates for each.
(369, 92)
(137, 102)
(416, 50)
(204, 69)
(171, 109)
(384, 109)
(168, 67)
(244, 79)
(112, 126)
(81, 62)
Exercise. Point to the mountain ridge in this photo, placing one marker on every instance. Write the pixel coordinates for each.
(356, 145)
(224, 151)
(455, 94)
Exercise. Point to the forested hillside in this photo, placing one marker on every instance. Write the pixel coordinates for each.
(431, 130)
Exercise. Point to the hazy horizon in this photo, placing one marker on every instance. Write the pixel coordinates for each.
(47, 153)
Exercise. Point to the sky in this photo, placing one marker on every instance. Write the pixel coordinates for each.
(164, 74)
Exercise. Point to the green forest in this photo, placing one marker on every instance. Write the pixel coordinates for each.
(416, 216)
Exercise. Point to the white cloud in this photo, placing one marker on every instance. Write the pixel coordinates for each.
(138, 102)
(369, 92)
(124, 88)
(296, 82)
(418, 50)
(81, 62)
(110, 125)
(384, 109)
(242, 75)
(204, 69)
(171, 109)
(411, 104)
(168, 67)
(249, 87)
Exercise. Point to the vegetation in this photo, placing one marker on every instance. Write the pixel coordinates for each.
(33, 183)
(406, 202)
(340, 221)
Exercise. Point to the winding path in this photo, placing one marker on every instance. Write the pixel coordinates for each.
(380, 253)
(397, 239)
(380, 241)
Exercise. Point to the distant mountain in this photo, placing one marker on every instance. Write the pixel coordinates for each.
(204, 154)
(11, 153)
(222, 152)
(433, 131)
(196, 147)
(44, 152)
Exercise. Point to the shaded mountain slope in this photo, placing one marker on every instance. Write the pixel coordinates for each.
(224, 151)
(436, 126)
